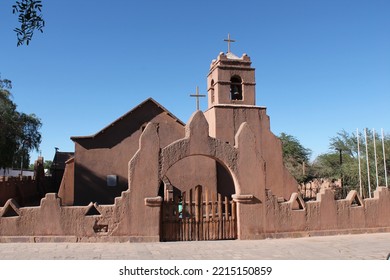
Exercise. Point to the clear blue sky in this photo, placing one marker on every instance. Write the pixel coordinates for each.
(321, 65)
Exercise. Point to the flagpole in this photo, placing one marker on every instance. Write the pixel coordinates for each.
(368, 165)
(360, 168)
(384, 157)
(376, 160)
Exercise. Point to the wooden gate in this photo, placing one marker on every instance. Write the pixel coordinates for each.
(199, 215)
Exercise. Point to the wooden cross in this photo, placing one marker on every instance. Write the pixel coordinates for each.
(197, 95)
(229, 41)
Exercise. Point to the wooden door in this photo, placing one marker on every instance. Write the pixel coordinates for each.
(199, 215)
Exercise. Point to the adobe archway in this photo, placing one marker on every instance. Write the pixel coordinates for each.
(140, 204)
(198, 203)
(242, 161)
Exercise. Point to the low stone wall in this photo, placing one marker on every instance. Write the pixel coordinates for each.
(326, 214)
(106, 223)
(50, 219)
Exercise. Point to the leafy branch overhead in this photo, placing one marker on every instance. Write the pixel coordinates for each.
(30, 19)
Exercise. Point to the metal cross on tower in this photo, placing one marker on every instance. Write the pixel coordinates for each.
(197, 95)
(228, 40)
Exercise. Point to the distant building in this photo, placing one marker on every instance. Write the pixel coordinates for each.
(57, 168)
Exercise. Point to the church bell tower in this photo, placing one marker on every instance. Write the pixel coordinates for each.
(231, 103)
(231, 95)
(231, 81)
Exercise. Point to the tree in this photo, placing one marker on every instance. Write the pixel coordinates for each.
(28, 139)
(30, 19)
(339, 163)
(8, 120)
(343, 160)
(295, 157)
(5, 85)
(19, 131)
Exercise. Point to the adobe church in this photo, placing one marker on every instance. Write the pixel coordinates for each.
(150, 177)
(101, 160)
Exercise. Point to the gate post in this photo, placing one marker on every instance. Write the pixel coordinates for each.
(249, 225)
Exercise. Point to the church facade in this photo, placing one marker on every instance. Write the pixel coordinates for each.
(150, 177)
(231, 102)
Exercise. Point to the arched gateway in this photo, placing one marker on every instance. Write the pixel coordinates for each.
(199, 213)
(241, 160)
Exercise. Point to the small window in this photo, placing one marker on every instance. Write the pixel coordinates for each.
(235, 88)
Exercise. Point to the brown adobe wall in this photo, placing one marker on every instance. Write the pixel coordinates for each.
(326, 215)
(8, 189)
(52, 220)
(91, 182)
(101, 223)
(278, 178)
(93, 164)
(66, 191)
(24, 190)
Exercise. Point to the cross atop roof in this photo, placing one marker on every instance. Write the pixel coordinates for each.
(197, 95)
(228, 40)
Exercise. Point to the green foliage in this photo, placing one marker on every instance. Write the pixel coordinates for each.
(295, 157)
(30, 19)
(294, 149)
(327, 166)
(8, 119)
(342, 161)
(5, 85)
(331, 165)
(345, 142)
(47, 164)
(19, 131)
